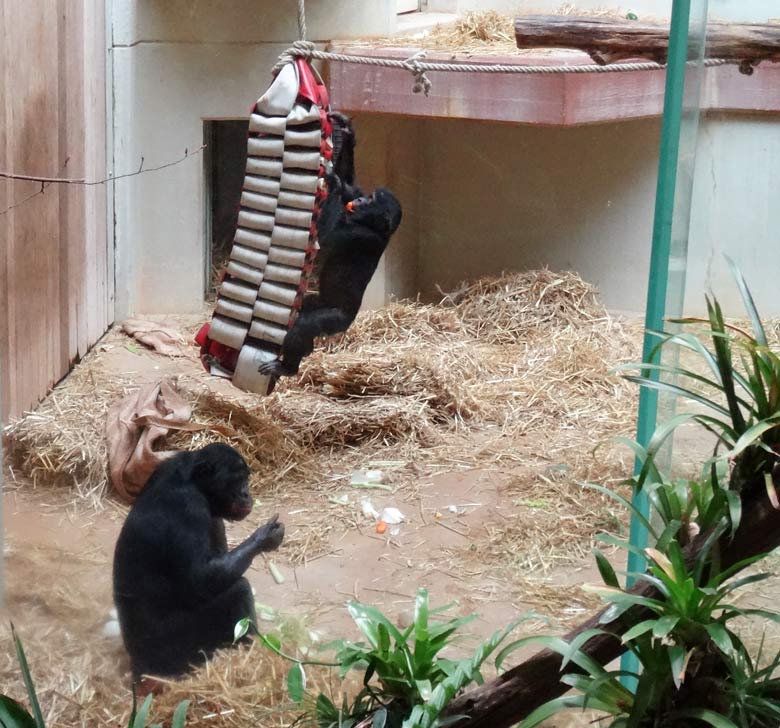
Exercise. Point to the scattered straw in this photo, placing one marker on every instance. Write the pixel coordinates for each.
(476, 32)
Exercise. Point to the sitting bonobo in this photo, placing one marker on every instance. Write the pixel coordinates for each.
(178, 590)
(353, 231)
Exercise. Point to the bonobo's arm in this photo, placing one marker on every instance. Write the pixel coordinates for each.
(221, 572)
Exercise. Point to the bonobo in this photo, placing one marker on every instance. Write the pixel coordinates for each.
(353, 231)
(178, 590)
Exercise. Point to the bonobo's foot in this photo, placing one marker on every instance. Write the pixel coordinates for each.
(270, 536)
(277, 368)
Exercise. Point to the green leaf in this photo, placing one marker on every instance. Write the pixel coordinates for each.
(142, 717)
(271, 641)
(716, 720)
(325, 710)
(747, 300)
(14, 715)
(551, 708)
(28, 681)
(241, 629)
(751, 435)
(626, 503)
(425, 688)
(720, 637)
(638, 630)
(367, 618)
(180, 714)
(606, 570)
(664, 626)
(677, 663)
(678, 391)
(296, 683)
(421, 616)
(574, 646)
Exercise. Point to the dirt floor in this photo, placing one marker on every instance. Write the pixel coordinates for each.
(496, 518)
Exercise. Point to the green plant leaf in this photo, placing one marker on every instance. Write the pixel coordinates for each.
(180, 714)
(664, 626)
(626, 503)
(28, 681)
(425, 688)
(751, 435)
(677, 664)
(296, 683)
(14, 715)
(716, 720)
(605, 569)
(551, 708)
(142, 716)
(241, 628)
(678, 391)
(577, 643)
(638, 630)
(747, 300)
(367, 618)
(720, 637)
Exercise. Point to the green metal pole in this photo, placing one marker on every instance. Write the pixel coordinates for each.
(658, 280)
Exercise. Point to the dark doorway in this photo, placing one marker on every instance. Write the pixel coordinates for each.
(225, 162)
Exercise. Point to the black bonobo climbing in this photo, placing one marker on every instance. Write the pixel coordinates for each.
(354, 230)
(178, 590)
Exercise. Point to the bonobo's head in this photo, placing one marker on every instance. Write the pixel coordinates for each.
(222, 475)
(381, 211)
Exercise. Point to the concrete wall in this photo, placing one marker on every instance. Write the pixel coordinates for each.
(175, 64)
(737, 10)
(492, 197)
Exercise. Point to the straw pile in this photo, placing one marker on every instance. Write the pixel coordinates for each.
(521, 353)
(84, 682)
(476, 32)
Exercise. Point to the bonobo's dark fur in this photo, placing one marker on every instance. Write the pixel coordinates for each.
(178, 590)
(352, 242)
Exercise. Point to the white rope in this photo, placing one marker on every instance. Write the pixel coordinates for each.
(419, 68)
(301, 19)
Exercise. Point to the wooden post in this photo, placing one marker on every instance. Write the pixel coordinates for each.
(610, 40)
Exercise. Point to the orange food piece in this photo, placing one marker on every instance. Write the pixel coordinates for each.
(350, 206)
(381, 527)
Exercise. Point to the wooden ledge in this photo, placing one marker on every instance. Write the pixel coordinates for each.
(545, 100)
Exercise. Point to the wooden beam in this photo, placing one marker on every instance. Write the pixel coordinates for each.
(610, 40)
(512, 696)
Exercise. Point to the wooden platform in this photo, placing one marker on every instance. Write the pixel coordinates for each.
(545, 100)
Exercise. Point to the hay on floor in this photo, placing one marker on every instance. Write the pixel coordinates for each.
(516, 354)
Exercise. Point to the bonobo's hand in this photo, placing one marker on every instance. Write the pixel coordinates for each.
(269, 537)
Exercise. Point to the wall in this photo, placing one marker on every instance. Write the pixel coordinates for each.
(55, 288)
(495, 197)
(175, 64)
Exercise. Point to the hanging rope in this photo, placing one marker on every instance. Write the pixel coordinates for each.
(419, 68)
(301, 19)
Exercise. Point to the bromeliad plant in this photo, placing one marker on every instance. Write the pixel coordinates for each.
(695, 669)
(407, 682)
(739, 390)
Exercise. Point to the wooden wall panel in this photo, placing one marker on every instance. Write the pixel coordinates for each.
(53, 273)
